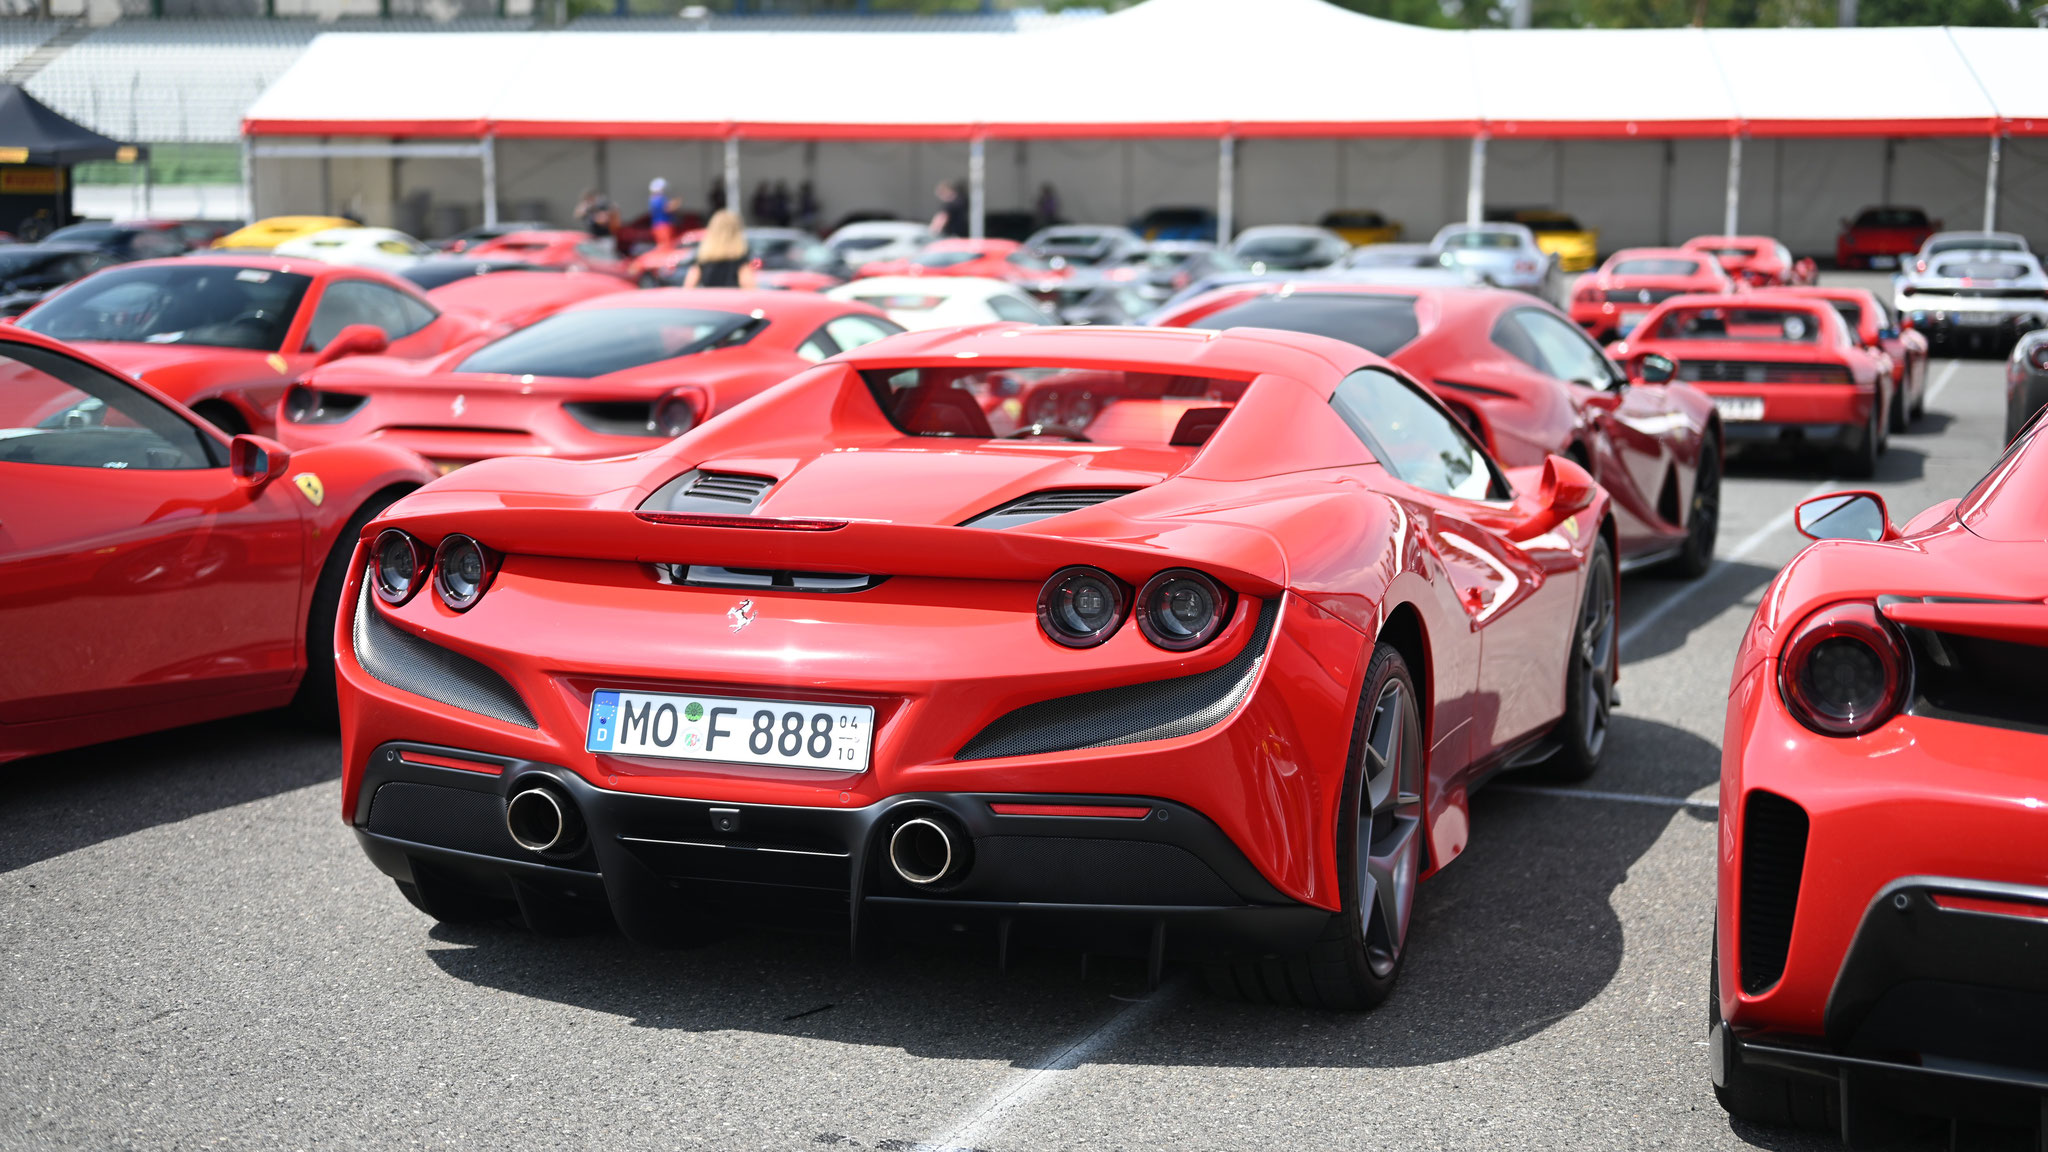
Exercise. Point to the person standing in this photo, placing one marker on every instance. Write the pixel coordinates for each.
(951, 219)
(596, 213)
(722, 258)
(1048, 206)
(658, 216)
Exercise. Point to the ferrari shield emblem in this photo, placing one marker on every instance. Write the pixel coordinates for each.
(277, 363)
(1571, 526)
(310, 485)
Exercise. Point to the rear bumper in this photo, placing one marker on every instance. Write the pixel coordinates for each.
(1157, 876)
(1941, 326)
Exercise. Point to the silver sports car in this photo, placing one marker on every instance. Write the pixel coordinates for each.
(1946, 242)
(1971, 300)
(1506, 254)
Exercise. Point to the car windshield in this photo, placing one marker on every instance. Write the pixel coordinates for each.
(1379, 324)
(1892, 218)
(1478, 239)
(219, 305)
(1976, 244)
(1656, 266)
(1101, 406)
(599, 341)
(1980, 270)
(1756, 324)
(86, 234)
(1731, 253)
(1276, 248)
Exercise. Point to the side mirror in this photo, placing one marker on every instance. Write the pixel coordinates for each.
(1845, 516)
(255, 460)
(354, 340)
(1565, 488)
(1656, 369)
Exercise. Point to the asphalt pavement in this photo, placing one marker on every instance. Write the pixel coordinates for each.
(194, 953)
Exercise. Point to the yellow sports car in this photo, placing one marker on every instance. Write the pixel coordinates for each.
(1362, 226)
(1577, 248)
(268, 233)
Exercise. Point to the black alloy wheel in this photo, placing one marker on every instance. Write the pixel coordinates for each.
(1860, 462)
(1703, 518)
(1589, 675)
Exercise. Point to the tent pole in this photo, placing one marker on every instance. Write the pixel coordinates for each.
(1226, 189)
(732, 172)
(1730, 216)
(489, 155)
(1475, 181)
(1991, 185)
(977, 188)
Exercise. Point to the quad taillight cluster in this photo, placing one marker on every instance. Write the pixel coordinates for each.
(1845, 671)
(1179, 609)
(460, 569)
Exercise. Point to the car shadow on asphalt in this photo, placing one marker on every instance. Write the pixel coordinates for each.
(50, 805)
(1701, 604)
(1900, 463)
(1511, 938)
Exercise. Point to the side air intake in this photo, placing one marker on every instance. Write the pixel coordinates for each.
(717, 493)
(413, 665)
(1773, 856)
(1044, 506)
(1158, 710)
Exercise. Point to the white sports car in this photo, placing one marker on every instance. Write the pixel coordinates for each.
(386, 249)
(919, 302)
(873, 241)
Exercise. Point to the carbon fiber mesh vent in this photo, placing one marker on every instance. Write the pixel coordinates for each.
(444, 817)
(1076, 870)
(717, 493)
(1159, 710)
(1043, 505)
(413, 665)
(1773, 855)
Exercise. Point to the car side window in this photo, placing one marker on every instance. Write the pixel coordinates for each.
(852, 331)
(72, 415)
(349, 302)
(1007, 309)
(1416, 440)
(1562, 350)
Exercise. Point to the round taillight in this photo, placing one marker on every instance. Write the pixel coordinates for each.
(2038, 356)
(676, 413)
(1180, 609)
(401, 563)
(462, 571)
(1844, 672)
(1080, 607)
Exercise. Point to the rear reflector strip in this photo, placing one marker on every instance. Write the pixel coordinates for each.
(688, 520)
(1105, 810)
(433, 761)
(1951, 903)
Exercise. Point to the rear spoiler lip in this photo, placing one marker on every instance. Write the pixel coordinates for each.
(1245, 557)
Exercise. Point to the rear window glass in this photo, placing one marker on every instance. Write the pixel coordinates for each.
(1756, 324)
(1980, 270)
(1378, 324)
(1849, 310)
(1976, 244)
(1101, 406)
(579, 345)
(1659, 266)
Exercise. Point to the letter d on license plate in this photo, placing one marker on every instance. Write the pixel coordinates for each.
(732, 730)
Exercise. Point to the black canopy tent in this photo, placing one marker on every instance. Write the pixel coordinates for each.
(38, 147)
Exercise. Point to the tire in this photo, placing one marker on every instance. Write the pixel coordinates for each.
(1920, 404)
(1589, 675)
(1703, 519)
(1860, 463)
(1902, 420)
(315, 702)
(1754, 1094)
(1354, 965)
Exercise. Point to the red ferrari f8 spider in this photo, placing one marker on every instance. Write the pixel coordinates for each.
(615, 374)
(1531, 385)
(1758, 261)
(1883, 895)
(1211, 674)
(1609, 303)
(154, 572)
(1783, 371)
(226, 335)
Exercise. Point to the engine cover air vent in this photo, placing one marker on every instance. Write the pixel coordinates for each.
(716, 493)
(765, 579)
(1773, 859)
(1044, 505)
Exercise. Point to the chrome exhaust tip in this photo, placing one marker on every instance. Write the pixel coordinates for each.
(541, 821)
(921, 850)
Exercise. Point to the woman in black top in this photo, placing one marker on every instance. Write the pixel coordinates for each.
(722, 260)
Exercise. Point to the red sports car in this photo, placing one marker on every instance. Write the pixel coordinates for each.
(555, 248)
(1881, 237)
(1883, 895)
(616, 374)
(154, 572)
(1758, 261)
(1209, 675)
(1877, 329)
(1530, 384)
(1782, 371)
(1610, 302)
(993, 259)
(225, 335)
(511, 300)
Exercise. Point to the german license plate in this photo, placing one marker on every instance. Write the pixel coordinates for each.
(1975, 319)
(1740, 407)
(732, 730)
(1884, 261)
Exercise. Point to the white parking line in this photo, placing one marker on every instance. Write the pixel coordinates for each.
(1940, 382)
(1023, 1089)
(1616, 797)
(1721, 564)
